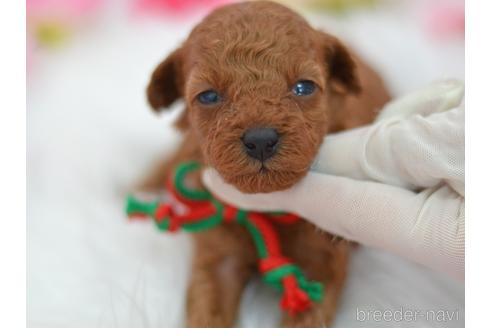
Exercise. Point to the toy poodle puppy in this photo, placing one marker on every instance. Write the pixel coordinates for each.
(261, 89)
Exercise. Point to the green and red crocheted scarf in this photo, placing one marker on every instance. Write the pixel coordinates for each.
(204, 212)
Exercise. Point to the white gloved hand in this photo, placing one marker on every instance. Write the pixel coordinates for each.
(397, 184)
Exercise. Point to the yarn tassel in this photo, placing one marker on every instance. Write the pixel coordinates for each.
(294, 299)
(205, 212)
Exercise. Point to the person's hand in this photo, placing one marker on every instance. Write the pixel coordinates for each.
(397, 184)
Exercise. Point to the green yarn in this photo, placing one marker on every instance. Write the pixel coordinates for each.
(194, 194)
(135, 206)
(274, 278)
(206, 212)
(205, 224)
(257, 238)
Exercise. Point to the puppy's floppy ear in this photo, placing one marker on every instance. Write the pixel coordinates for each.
(342, 70)
(166, 83)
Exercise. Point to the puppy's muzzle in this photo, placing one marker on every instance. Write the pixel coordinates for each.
(260, 143)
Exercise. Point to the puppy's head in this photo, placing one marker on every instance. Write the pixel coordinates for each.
(258, 82)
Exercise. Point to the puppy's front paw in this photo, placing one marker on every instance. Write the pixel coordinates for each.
(200, 321)
(309, 319)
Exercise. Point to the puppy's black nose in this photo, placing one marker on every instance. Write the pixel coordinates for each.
(260, 143)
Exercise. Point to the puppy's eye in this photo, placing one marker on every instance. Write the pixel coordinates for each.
(303, 88)
(209, 97)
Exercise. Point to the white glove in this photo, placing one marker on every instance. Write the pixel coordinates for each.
(397, 184)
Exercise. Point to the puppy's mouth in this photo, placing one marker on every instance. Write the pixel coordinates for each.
(256, 176)
(266, 167)
(263, 180)
(263, 169)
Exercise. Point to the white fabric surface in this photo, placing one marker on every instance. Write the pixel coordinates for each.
(91, 136)
(397, 184)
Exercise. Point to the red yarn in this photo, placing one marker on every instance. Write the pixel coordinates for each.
(162, 212)
(284, 218)
(278, 270)
(272, 262)
(229, 213)
(295, 300)
(269, 235)
(198, 213)
(190, 203)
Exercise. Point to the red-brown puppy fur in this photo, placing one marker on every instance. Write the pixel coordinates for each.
(253, 53)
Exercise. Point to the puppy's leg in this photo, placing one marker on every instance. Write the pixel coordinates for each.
(219, 274)
(325, 261)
